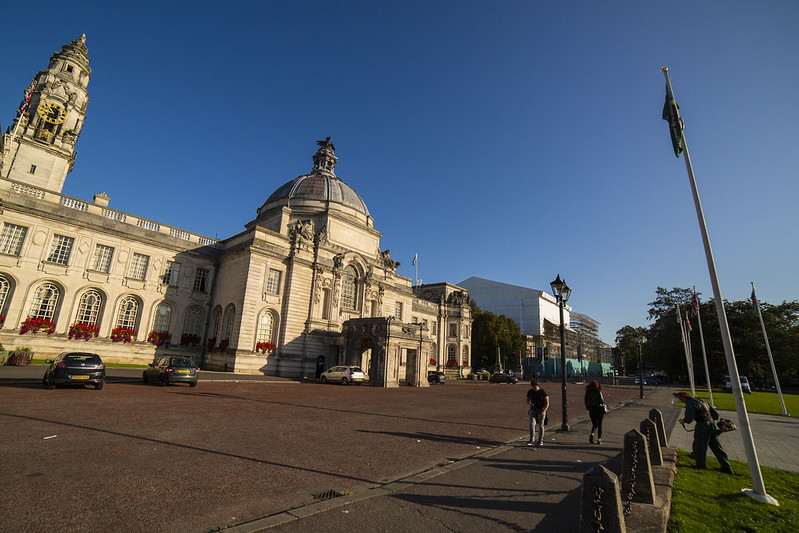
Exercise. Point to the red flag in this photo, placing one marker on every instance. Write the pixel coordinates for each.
(23, 105)
(695, 305)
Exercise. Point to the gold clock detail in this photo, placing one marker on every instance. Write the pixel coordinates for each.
(52, 112)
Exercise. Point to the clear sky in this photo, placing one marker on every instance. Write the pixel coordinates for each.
(507, 140)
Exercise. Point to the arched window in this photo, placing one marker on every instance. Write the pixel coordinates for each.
(162, 318)
(451, 355)
(193, 323)
(465, 356)
(44, 301)
(348, 294)
(217, 322)
(128, 312)
(266, 327)
(227, 328)
(89, 307)
(5, 288)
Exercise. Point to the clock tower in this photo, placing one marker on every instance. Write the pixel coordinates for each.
(39, 147)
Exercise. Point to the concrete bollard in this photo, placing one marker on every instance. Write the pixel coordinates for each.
(649, 430)
(657, 417)
(600, 509)
(637, 483)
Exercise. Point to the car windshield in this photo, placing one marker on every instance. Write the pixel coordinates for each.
(82, 358)
(356, 369)
(181, 361)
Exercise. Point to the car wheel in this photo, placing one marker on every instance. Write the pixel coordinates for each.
(344, 381)
(44, 380)
(193, 384)
(323, 380)
(161, 382)
(50, 384)
(144, 377)
(98, 386)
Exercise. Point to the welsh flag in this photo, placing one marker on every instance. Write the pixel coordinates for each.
(671, 113)
(755, 303)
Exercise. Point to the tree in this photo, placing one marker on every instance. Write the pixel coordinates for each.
(627, 339)
(490, 331)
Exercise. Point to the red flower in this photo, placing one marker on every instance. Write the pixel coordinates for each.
(122, 334)
(34, 324)
(264, 347)
(81, 330)
(159, 337)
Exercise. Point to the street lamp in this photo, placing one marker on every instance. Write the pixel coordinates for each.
(640, 369)
(562, 293)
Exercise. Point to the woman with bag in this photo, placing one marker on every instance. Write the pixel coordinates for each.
(595, 405)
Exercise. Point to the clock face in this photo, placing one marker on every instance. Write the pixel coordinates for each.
(52, 112)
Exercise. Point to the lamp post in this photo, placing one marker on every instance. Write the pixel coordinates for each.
(640, 369)
(562, 293)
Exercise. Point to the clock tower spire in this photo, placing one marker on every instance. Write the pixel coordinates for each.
(39, 147)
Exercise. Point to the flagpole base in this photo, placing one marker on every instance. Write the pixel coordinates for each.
(762, 498)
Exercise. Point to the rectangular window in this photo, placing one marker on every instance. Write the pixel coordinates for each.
(32, 170)
(138, 266)
(60, 249)
(433, 327)
(102, 258)
(201, 280)
(398, 310)
(453, 330)
(172, 273)
(12, 238)
(273, 281)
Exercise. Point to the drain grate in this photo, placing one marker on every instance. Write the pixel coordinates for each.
(327, 495)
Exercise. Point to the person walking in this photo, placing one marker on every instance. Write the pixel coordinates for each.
(706, 432)
(537, 406)
(595, 405)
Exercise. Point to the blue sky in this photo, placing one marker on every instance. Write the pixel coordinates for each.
(507, 140)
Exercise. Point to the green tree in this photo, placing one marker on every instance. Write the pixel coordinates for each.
(627, 339)
(488, 332)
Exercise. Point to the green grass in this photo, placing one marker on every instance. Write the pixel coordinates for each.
(757, 402)
(712, 502)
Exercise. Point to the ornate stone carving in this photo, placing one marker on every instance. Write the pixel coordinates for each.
(458, 298)
(301, 232)
(388, 263)
(338, 261)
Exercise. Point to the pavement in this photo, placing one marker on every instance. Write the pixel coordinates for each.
(502, 485)
(505, 488)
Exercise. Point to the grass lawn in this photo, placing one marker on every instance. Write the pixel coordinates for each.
(757, 402)
(709, 501)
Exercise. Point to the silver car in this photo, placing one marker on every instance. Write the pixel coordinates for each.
(343, 374)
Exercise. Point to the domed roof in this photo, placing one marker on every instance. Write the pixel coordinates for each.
(320, 185)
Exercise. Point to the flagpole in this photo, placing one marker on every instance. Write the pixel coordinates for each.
(688, 362)
(704, 353)
(759, 492)
(768, 349)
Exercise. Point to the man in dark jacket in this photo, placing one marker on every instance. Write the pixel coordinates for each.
(706, 433)
(537, 406)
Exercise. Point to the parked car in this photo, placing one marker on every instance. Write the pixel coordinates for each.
(649, 380)
(75, 368)
(744, 384)
(343, 374)
(434, 378)
(171, 369)
(502, 377)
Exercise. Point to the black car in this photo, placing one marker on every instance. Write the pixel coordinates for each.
(434, 378)
(502, 377)
(75, 368)
(171, 369)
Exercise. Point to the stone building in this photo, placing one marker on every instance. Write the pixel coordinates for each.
(305, 286)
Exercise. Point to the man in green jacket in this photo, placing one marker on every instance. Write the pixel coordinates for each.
(706, 432)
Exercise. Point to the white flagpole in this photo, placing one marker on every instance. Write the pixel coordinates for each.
(704, 353)
(759, 492)
(768, 349)
(688, 361)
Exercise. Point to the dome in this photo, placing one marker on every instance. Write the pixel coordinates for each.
(329, 189)
(320, 185)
